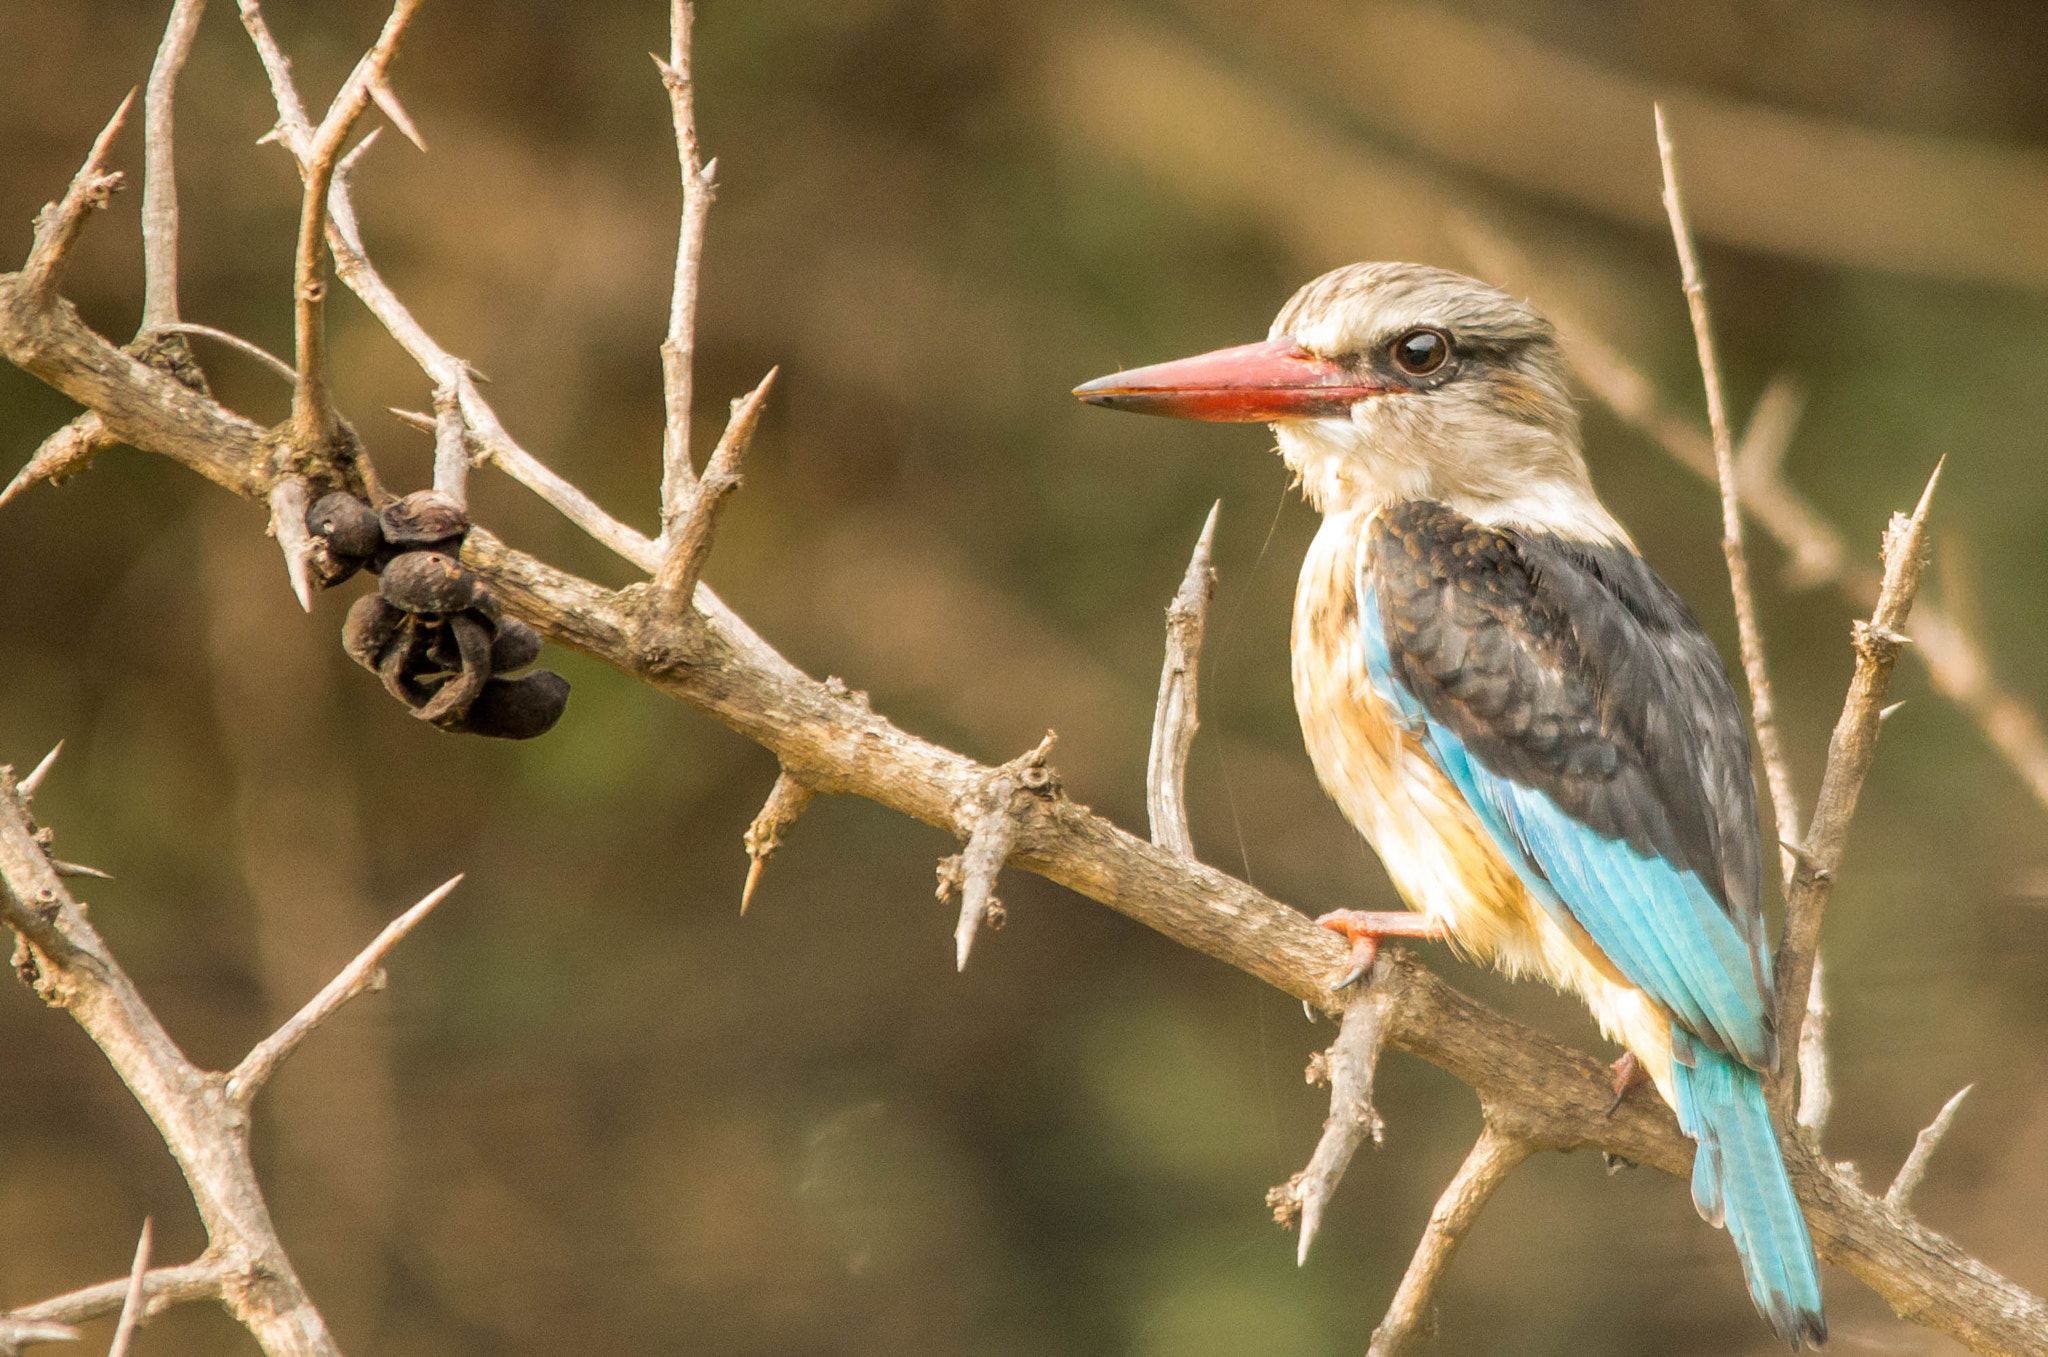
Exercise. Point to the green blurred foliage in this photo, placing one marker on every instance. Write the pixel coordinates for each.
(596, 1110)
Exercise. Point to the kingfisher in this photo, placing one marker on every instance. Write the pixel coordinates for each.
(1526, 723)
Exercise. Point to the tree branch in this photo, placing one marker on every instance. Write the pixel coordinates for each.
(1349, 1066)
(1535, 1091)
(71, 968)
(1176, 718)
(1915, 1168)
(313, 418)
(678, 350)
(833, 742)
(159, 179)
(1851, 750)
(1410, 1318)
(247, 1079)
(59, 223)
(1763, 713)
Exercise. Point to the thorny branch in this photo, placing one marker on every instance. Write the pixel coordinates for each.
(203, 1124)
(1537, 1094)
(1177, 716)
(1349, 1067)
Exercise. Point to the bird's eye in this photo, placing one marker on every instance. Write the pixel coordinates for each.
(1421, 352)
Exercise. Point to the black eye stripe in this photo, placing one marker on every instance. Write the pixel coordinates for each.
(1420, 352)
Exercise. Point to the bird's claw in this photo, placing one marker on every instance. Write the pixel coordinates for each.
(1364, 929)
(1628, 1072)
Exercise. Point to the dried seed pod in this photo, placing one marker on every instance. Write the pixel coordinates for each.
(370, 628)
(428, 582)
(451, 703)
(516, 646)
(517, 708)
(424, 518)
(350, 527)
(330, 568)
(395, 670)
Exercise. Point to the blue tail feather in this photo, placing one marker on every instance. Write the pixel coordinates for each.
(1738, 1179)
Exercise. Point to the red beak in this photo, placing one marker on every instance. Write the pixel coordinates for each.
(1250, 384)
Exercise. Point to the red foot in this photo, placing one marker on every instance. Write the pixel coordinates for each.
(1628, 1072)
(1365, 929)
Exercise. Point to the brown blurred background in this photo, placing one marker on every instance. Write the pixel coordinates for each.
(597, 1111)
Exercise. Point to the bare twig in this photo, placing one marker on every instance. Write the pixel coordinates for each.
(133, 1303)
(679, 347)
(16, 1334)
(159, 178)
(247, 1079)
(1349, 1066)
(1924, 1145)
(1784, 805)
(787, 800)
(687, 541)
(352, 264)
(1851, 750)
(1177, 716)
(313, 418)
(1760, 456)
(289, 500)
(33, 783)
(58, 224)
(451, 447)
(162, 1287)
(233, 341)
(1410, 1317)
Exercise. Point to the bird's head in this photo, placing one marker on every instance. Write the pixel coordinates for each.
(1398, 381)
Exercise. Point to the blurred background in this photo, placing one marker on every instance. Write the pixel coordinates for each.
(597, 1110)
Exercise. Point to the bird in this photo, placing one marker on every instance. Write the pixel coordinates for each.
(1529, 726)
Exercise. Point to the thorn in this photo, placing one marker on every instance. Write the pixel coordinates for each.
(787, 800)
(29, 785)
(1885, 713)
(64, 868)
(753, 880)
(414, 418)
(1799, 853)
(288, 502)
(134, 1303)
(387, 99)
(1308, 1010)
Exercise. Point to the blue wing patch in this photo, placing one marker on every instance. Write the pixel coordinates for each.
(1660, 926)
